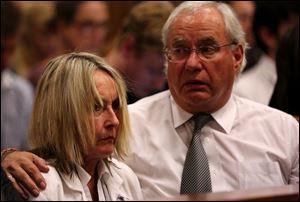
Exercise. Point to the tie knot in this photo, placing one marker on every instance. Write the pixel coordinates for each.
(200, 121)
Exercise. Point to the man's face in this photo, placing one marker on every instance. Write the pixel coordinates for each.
(89, 28)
(202, 84)
(7, 47)
(245, 12)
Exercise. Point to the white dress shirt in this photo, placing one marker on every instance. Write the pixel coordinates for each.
(257, 83)
(248, 145)
(118, 183)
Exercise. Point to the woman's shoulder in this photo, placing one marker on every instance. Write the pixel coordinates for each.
(52, 174)
(121, 167)
(53, 186)
(130, 182)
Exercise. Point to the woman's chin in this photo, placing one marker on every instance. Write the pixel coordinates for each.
(102, 151)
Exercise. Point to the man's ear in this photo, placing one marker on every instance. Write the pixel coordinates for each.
(238, 54)
(127, 46)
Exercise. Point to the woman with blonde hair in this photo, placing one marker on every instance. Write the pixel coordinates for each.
(80, 120)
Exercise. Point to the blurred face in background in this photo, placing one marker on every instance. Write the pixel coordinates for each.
(89, 28)
(245, 11)
(149, 74)
(7, 47)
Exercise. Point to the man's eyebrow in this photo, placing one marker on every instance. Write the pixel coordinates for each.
(203, 41)
(207, 41)
(178, 40)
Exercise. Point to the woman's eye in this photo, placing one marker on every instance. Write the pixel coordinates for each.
(98, 108)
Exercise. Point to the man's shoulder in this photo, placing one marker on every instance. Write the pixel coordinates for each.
(255, 109)
(151, 100)
(52, 175)
(152, 106)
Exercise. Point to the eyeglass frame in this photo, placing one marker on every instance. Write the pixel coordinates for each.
(198, 51)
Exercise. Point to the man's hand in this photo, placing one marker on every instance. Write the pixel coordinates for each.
(24, 168)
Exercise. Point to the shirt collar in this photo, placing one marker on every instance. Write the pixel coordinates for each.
(179, 115)
(224, 117)
(84, 177)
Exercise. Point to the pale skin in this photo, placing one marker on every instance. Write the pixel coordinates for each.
(202, 86)
(106, 126)
(197, 86)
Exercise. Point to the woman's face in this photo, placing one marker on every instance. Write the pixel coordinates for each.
(107, 118)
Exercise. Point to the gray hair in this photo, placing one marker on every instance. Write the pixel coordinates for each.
(232, 25)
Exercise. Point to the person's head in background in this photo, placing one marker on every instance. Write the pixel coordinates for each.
(271, 21)
(10, 30)
(82, 25)
(81, 111)
(245, 12)
(137, 52)
(205, 47)
(38, 41)
(285, 96)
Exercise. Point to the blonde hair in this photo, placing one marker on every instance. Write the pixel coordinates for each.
(62, 123)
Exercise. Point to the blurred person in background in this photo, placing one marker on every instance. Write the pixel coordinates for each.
(16, 92)
(271, 21)
(82, 25)
(38, 42)
(286, 93)
(53, 28)
(137, 53)
(245, 11)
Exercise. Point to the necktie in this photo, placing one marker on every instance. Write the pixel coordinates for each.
(196, 175)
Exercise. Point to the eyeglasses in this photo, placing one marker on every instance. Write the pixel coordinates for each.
(207, 52)
(89, 25)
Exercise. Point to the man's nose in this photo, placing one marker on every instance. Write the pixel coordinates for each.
(193, 61)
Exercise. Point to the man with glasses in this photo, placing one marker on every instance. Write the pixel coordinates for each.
(247, 145)
(244, 144)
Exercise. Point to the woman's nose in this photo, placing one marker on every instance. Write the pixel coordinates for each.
(112, 118)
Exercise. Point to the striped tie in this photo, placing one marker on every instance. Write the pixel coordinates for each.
(196, 175)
